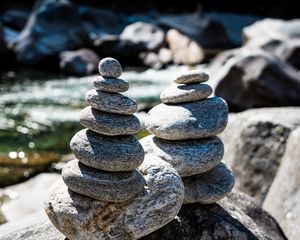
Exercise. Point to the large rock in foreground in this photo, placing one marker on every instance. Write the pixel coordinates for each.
(283, 199)
(81, 217)
(255, 142)
(248, 78)
(235, 217)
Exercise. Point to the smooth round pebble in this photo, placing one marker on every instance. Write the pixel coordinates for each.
(110, 67)
(188, 157)
(192, 76)
(102, 185)
(81, 217)
(111, 102)
(110, 124)
(119, 153)
(193, 120)
(185, 93)
(110, 84)
(209, 187)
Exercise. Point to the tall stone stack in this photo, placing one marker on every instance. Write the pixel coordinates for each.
(103, 195)
(184, 131)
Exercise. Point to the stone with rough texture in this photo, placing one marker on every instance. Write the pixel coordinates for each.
(188, 157)
(208, 187)
(192, 76)
(235, 217)
(255, 141)
(185, 93)
(110, 67)
(111, 102)
(109, 123)
(193, 120)
(119, 153)
(109, 84)
(102, 185)
(184, 49)
(80, 217)
(259, 78)
(283, 198)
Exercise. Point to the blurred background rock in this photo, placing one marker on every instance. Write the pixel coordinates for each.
(50, 49)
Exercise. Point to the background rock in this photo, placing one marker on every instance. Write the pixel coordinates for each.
(27, 197)
(184, 50)
(53, 26)
(283, 199)
(255, 141)
(235, 217)
(279, 37)
(79, 63)
(249, 78)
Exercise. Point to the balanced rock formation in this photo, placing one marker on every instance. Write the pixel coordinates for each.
(103, 195)
(184, 129)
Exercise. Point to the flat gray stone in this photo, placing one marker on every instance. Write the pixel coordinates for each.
(102, 185)
(194, 120)
(110, 124)
(111, 102)
(120, 153)
(192, 76)
(185, 93)
(188, 157)
(81, 217)
(110, 67)
(209, 187)
(110, 84)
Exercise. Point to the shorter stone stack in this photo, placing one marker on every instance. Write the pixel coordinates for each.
(185, 128)
(107, 152)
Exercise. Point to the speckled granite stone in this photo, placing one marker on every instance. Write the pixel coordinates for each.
(191, 120)
(119, 153)
(110, 84)
(188, 157)
(110, 67)
(192, 76)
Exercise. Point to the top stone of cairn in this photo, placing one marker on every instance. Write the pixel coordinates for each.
(110, 67)
(192, 76)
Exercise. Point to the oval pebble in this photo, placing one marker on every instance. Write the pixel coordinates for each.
(110, 67)
(110, 124)
(110, 84)
(192, 76)
(102, 185)
(119, 153)
(209, 187)
(185, 93)
(111, 102)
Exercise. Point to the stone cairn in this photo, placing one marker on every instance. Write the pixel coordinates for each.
(102, 195)
(184, 128)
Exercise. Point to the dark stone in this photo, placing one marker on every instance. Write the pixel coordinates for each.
(248, 78)
(79, 63)
(15, 18)
(53, 26)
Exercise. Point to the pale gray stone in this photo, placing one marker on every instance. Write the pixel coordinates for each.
(111, 102)
(110, 124)
(110, 67)
(192, 76)
(185, 93)
(102, 185)
(110, 84)
(188, 157)
(200, 119)
(119, 153)
(209, 187)
(283, 198)
(81, 217)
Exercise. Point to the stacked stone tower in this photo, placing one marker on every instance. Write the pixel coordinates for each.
(185, 128)
(102, 195)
